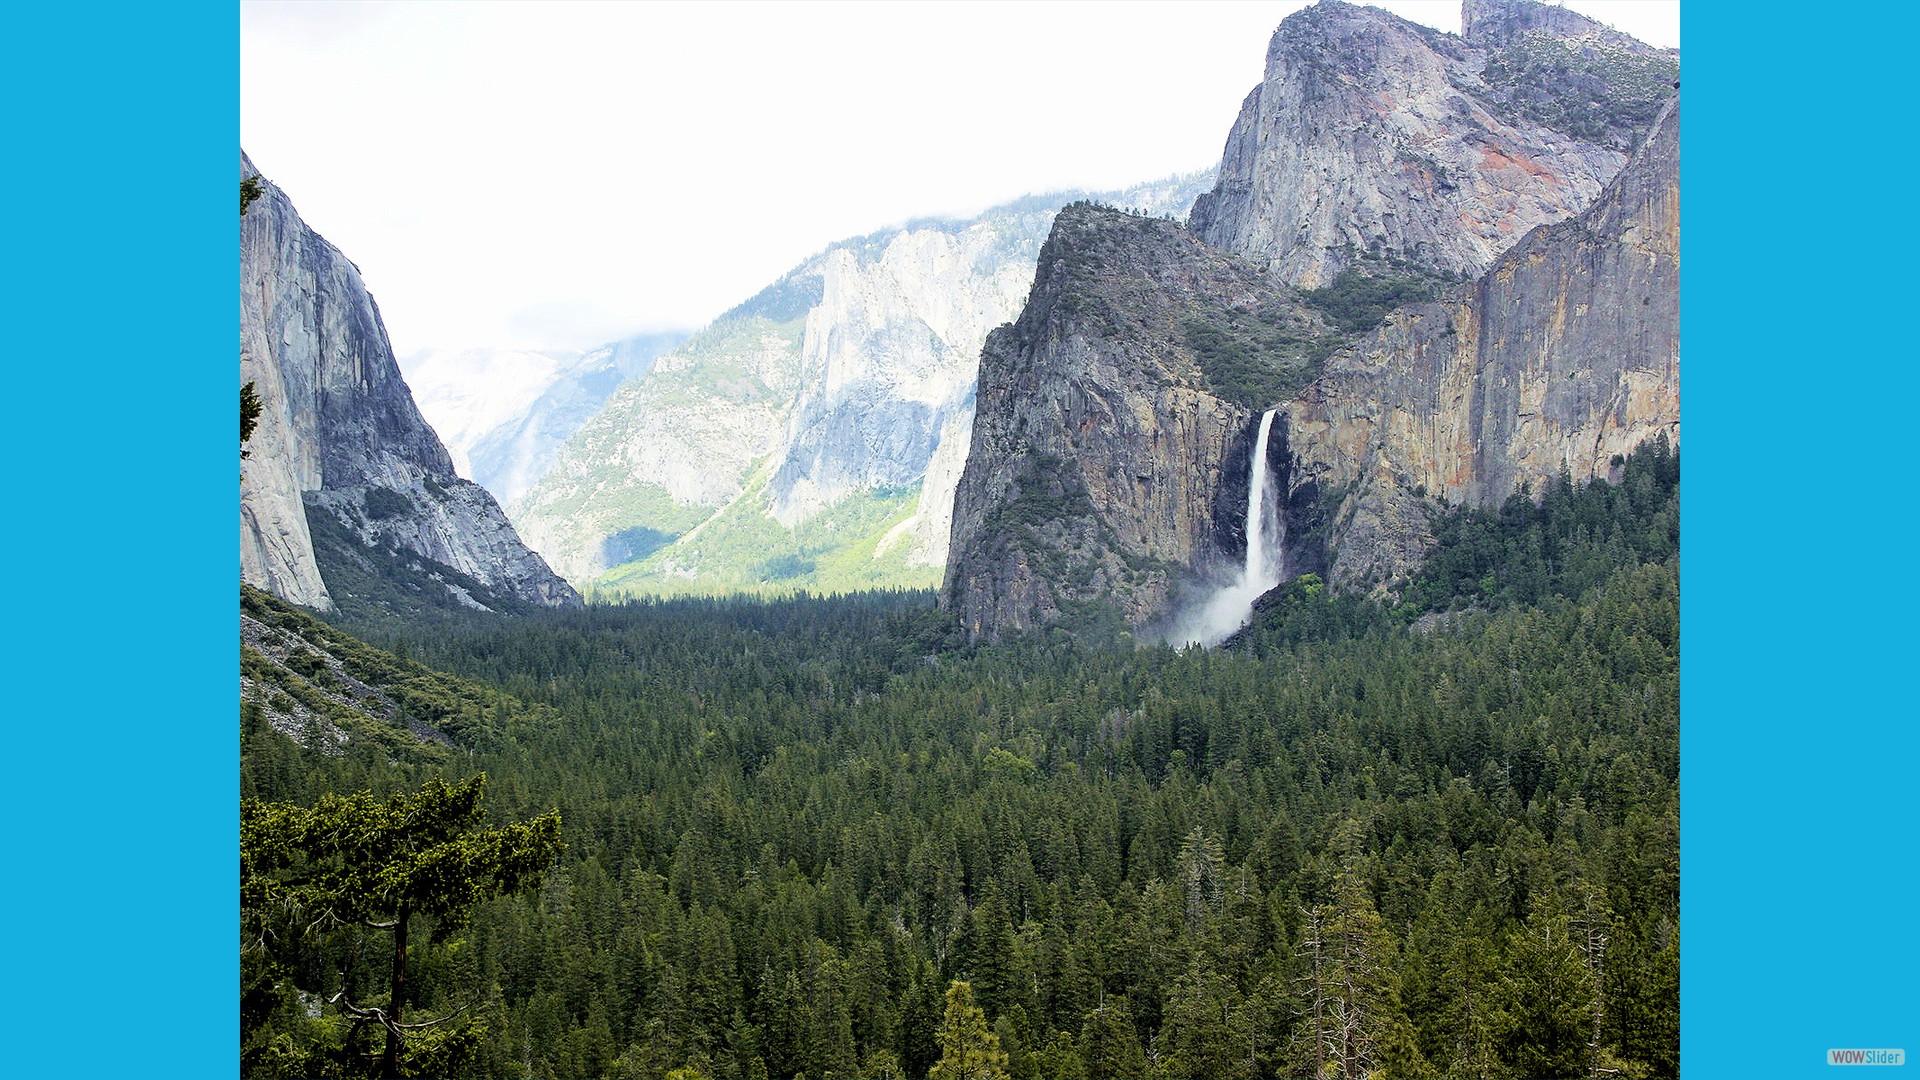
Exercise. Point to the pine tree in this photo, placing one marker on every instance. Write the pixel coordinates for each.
(991, 965)
(1110, 1044)
(352, 863)
(1059, 1060)
(969, 1050)
(1352, 1022)
(1204, 1037)
(1548, 996)
(250, 408)
(1202, 867)
(1589, 928)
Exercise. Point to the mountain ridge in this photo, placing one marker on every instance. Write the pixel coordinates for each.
(1362, 454)
(846, 388)
(342, 474)
(1372, 136)
(1563, 357)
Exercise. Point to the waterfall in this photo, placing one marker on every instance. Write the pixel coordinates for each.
(1227, 609)
(1262, 568)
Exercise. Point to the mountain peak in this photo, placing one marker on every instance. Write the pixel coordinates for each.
(1495, 24)
(1371, 137)
(1355, 35)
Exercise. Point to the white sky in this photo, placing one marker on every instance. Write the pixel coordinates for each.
(563, 174)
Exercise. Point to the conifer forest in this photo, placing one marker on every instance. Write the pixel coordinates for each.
(1428, 835)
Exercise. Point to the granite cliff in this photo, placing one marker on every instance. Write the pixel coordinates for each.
(811, 437)
(1524, 322)
(1110, 419)
(344, 481)
(1374, 138)
(1565, 355)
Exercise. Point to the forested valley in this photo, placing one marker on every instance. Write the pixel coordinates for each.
(1435, 835)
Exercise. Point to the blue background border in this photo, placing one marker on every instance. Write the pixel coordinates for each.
(122, 122)
(1798, 812)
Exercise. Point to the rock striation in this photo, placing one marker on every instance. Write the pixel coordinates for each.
(1563, 356)
(341, 452)
(1371, 136)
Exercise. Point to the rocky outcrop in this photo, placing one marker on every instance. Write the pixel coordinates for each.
(1554, 67)
(1111, 445)
(1563, 356)
(1103, 442)
(821, 424)
(340, 436)
(1373, 138)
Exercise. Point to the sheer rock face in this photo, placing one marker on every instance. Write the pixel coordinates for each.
(851, 376)
(339, 433)
(1099, 450)
(887, 367)
(1372, 134)
(1564, 355)
(1106, 470)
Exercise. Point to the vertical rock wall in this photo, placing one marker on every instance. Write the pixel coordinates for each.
(1564, 355)
(340, 435)
(1100, 449)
